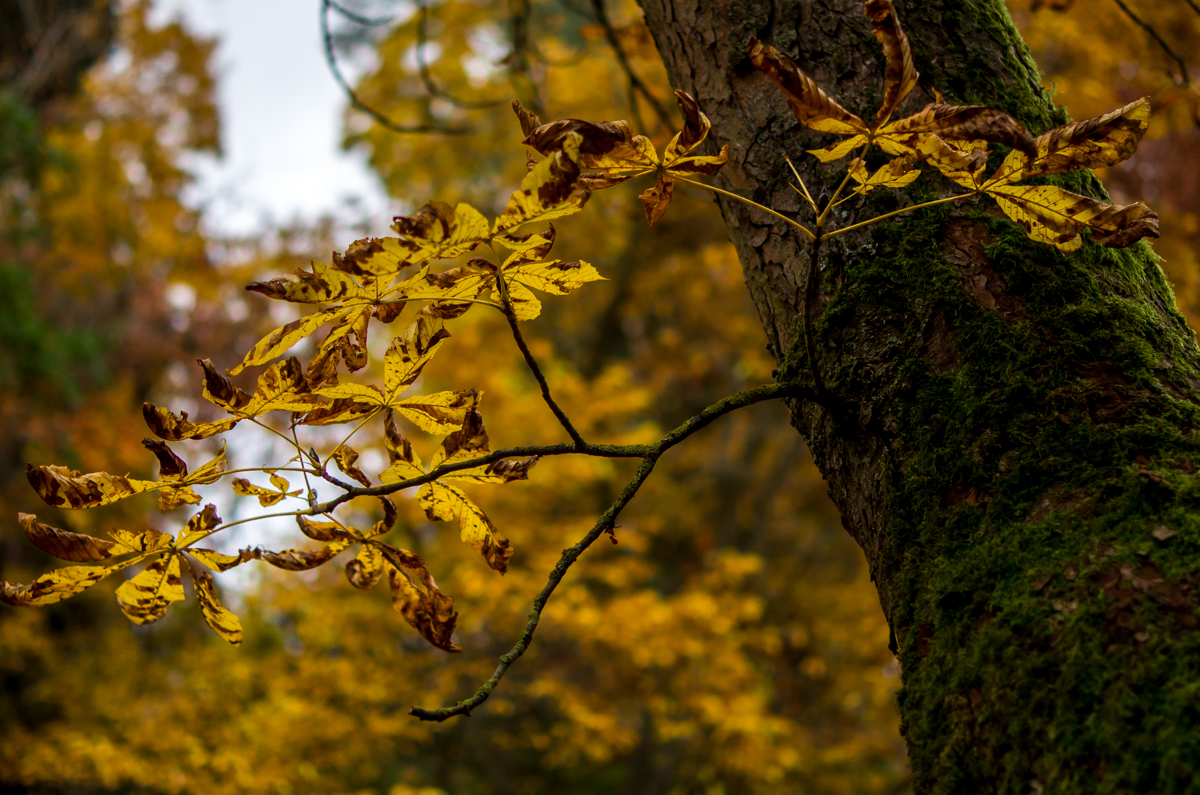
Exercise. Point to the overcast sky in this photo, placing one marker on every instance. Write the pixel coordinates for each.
(280, 116)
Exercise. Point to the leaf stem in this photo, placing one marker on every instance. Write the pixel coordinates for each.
(807, 232)
(877, 218)
(800, 179)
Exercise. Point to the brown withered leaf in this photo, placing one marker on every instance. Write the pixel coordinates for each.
(657, 198)
(219, 561)
(65, 545)
(145, 598)
(281, 387)
(811, 106)
(199, 527)
(57, 585)
(339, 411)
(165, 425)
(1093, 143)
(609, 146)
(61, 487)
(366, 569)
(529, 120)
(227, 625)
(1053, 215)
(438, 231)
(346, 456)
(302, 560)
(426, 609)
(170, 466)
(900, 74)
(325, 532)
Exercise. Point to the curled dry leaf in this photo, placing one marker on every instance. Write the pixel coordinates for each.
(811, 106)
(227, 625)
(302, 560)
(428, 610)
(65, 545)
(551, 190)
(900, 75)
(61, 487)
(366, 569)
(57, 585)
(346, 457)
(165, 425)
(962, 124)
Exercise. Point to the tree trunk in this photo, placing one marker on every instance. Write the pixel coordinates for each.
(1015, 432)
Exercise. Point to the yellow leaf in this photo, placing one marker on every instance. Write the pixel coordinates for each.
(1053, 215)
(893, 174)
(964, 126)
(266, 497)
(339, 411)
(556, 276)
(366, 569)
(145, 598)
(900, 74)
(219, 561)
(439, 413)
(65, 545)
(171, 497)
(221, 621)
(209, 472)
(148, 541)
(361, 393)
(199, 526)
(609, 146)
(323, 285)
(438, 231)
(64, 488)
(409, 353)
(405, 463)
(1102, 141)
(550, 190)
(282, 339)
(445, 503)
(812, 106)
(57, 585)
(839, 150)
(531, 246)
(281, 387)
(964, 167)
(165, 425)
(426, 609)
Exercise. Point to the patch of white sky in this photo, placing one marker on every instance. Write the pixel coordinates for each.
(282, 160)
(281, 121)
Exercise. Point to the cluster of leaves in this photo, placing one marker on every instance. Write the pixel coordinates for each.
(373, 280)
(954, 139)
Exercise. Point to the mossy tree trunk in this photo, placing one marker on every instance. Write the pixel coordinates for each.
(1015, 435)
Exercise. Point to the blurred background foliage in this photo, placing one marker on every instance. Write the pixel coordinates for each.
(731, 642)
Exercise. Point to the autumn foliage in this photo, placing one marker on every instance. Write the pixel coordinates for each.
(419, 402)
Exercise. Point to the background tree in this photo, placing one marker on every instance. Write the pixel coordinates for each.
(676, 696)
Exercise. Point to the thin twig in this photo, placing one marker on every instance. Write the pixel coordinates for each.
(1183, 70)
(605, 523)
(366, 22)
(427, 78)
(518, 59)
(514, 324)
(635, 82)
(1193, 6)
(384, 121)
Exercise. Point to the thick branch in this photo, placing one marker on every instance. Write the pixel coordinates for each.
(606, 522)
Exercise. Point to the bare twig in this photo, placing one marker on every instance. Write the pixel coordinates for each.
(635, 82)
(518, 58)
(514, 325)
(1182, 78)
(604, 524)
(384, 121)
(366, 22)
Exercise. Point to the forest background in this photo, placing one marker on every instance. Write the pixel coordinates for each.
(731, 642)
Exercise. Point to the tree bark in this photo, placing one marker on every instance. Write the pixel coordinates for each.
(1013, 435)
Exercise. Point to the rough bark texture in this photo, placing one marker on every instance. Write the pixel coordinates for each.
(1017, 431)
